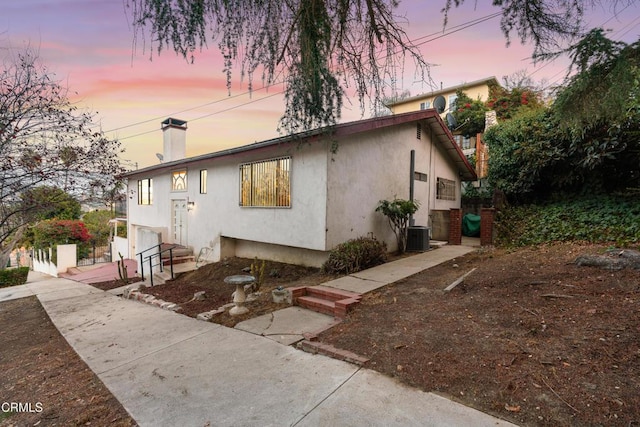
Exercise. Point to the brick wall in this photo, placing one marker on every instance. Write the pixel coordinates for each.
(487, 216)
(455, 226)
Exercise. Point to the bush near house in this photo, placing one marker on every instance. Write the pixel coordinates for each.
(611, 219)
(97, 223)
(59, 232)
(355, 255)
(13, 276)
(399, 212)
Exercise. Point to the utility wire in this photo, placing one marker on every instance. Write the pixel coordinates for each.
(431, 37)
(195, 108)
(209, 115)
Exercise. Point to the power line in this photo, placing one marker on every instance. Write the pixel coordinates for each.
(193, 108)
(431, 37)
(208, 115)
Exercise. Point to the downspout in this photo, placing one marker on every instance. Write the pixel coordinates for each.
(412, 171)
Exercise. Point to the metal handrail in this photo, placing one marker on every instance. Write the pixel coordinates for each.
(150, 259)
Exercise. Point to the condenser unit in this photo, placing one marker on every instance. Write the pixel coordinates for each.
(418, 239)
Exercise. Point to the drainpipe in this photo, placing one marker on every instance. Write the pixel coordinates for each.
(412, 171)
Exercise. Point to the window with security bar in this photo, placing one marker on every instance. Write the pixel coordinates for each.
(445, 189)
(266, 183)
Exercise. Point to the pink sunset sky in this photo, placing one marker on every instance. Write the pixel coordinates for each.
(88, 44)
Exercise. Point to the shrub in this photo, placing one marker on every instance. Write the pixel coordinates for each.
(97, 224)
(13, 276)
(50, 233)
(399, 212)
(355, 255)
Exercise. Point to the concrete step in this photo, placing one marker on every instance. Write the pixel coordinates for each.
(178, 260)
(316, 347)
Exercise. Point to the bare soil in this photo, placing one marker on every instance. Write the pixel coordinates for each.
(210, 279)
(40, 372)
(529, 336)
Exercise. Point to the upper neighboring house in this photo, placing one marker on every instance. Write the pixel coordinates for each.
(293, 199)
(478, 89)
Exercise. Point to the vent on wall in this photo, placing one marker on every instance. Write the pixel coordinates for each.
(419, 131)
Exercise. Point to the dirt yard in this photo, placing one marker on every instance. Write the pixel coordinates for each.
(210, 279)
(40, 372)
(529, 336)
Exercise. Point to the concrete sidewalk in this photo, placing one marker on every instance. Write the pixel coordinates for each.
(168, 369)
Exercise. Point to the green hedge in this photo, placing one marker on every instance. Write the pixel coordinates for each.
(13, 276)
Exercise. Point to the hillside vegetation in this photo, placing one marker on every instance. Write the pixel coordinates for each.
(595, 219)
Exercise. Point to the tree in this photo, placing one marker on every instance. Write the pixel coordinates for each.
(97, 223)
(585, 142)
(47, 202)
(319, 48)
(606, 85)
(545, 23)
(525, 153)
(469, 114)
(399, 212)
(44, 141)
(507, 103)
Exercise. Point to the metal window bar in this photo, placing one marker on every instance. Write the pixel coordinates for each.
(445, 189)
(265, 183)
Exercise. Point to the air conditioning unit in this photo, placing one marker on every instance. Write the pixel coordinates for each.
(418, 239)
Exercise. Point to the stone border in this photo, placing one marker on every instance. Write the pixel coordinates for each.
(136, 295)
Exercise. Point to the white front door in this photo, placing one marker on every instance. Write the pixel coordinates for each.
(179, 222)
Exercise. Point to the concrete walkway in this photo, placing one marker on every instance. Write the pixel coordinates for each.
(168, 369)
(288, 326)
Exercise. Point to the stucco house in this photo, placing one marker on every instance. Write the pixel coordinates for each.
(478, 89)
(294, 198)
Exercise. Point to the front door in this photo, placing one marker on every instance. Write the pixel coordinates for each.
(179, 222)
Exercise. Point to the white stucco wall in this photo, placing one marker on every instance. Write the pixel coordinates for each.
(301, 225)
(156, 216)
(333, 196)
(443, 167)
(370, 167)
(217, 214)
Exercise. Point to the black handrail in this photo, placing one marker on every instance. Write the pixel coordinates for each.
(158, 254)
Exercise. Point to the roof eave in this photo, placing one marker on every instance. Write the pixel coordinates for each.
(341, 130)
(491, 79)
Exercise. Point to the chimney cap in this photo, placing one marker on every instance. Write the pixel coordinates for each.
(174, 122)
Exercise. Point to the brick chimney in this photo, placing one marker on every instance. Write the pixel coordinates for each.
(174, 135)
